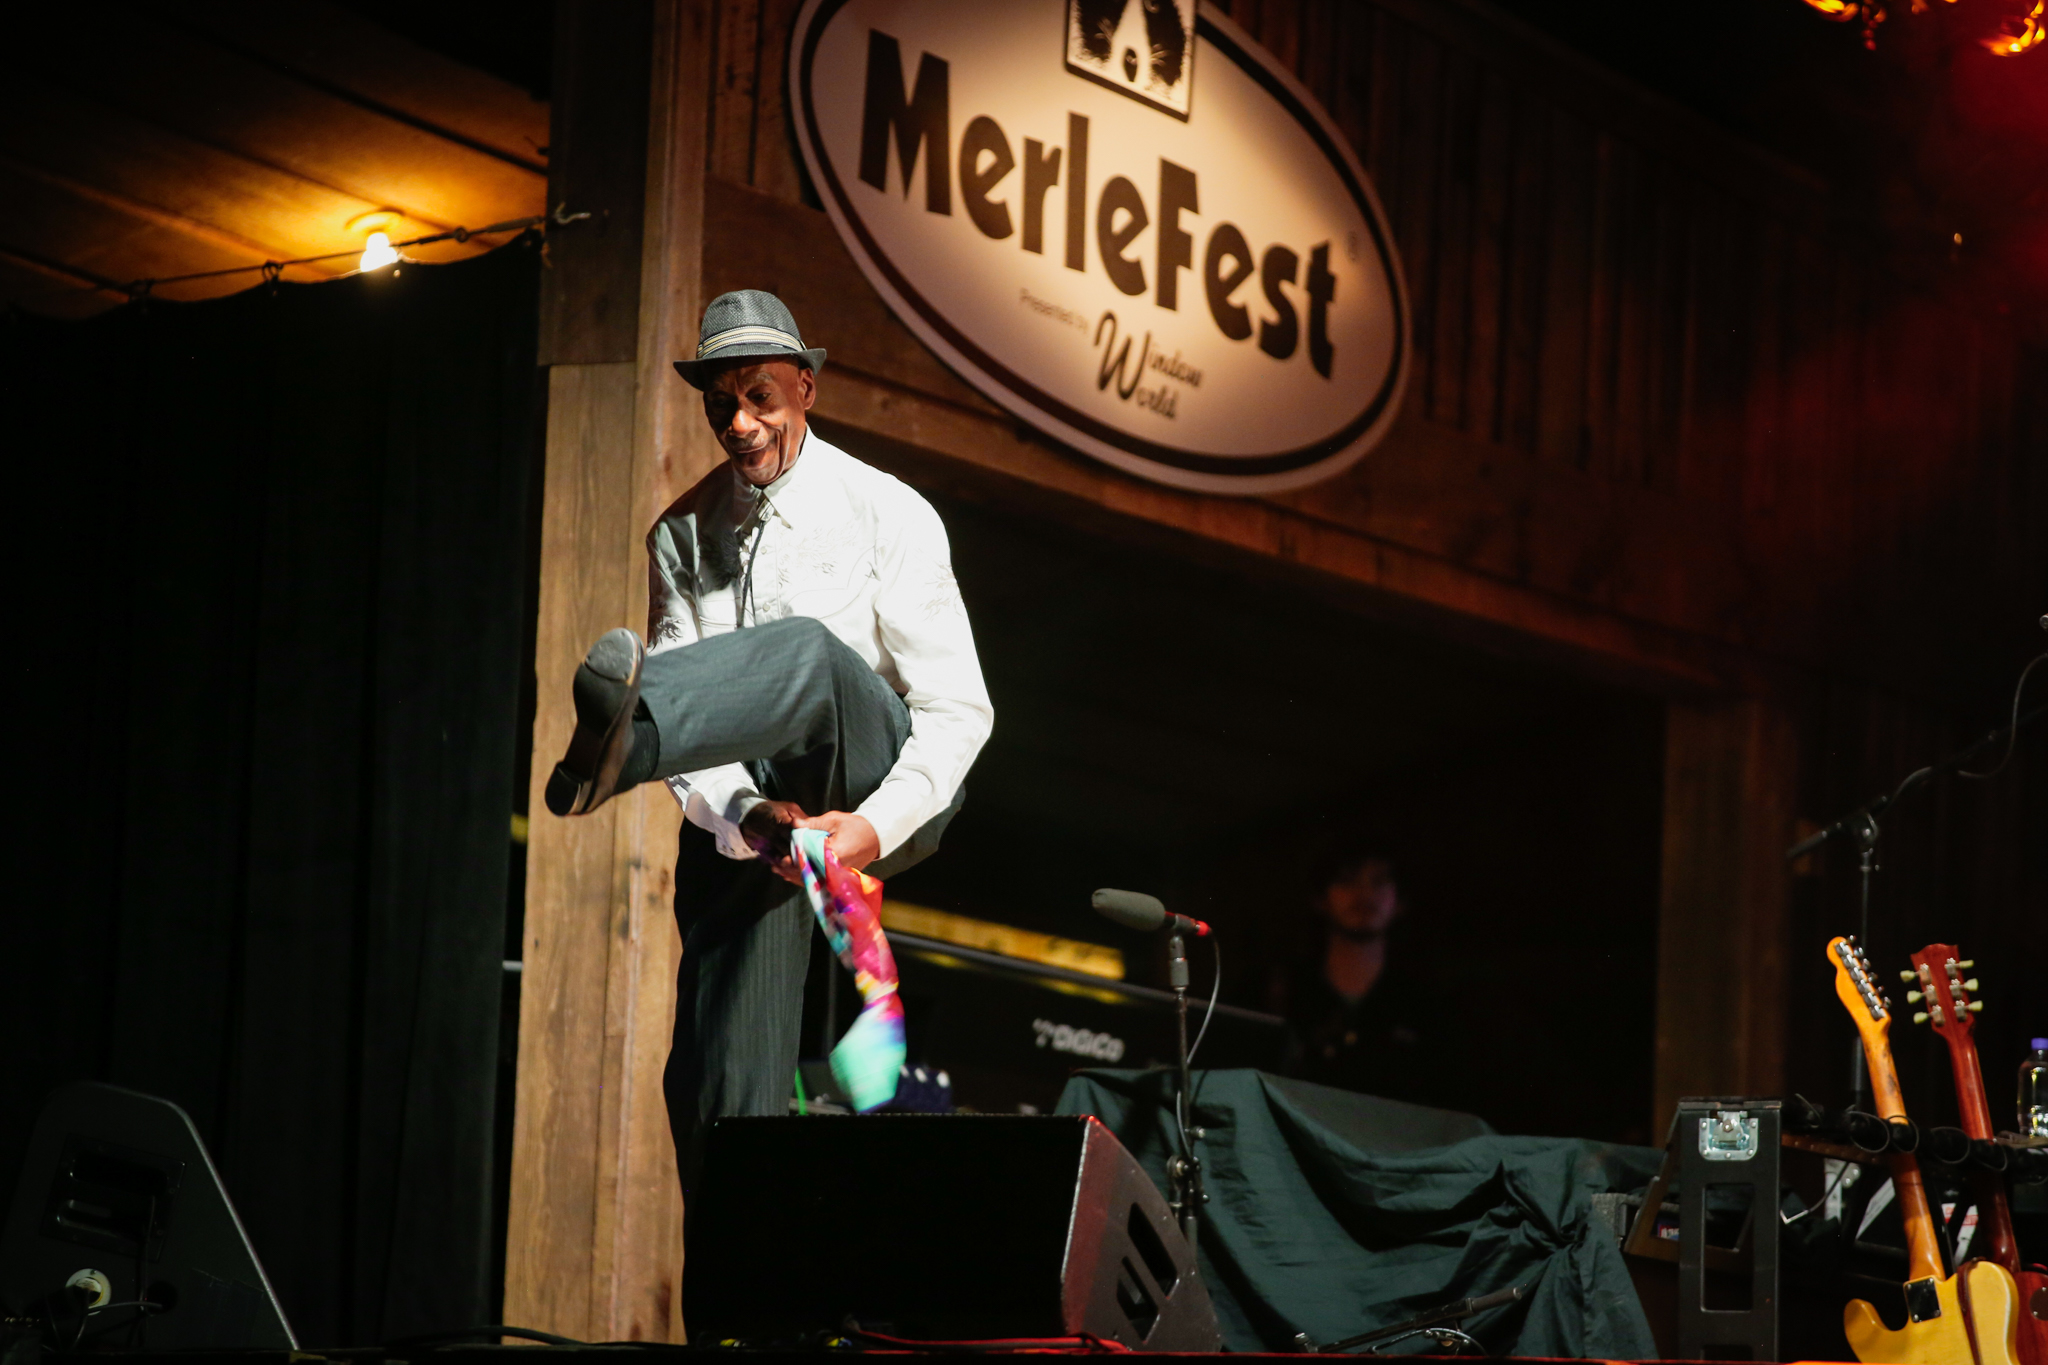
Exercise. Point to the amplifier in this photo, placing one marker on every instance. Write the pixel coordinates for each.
(938, 1228)
(117, 1193)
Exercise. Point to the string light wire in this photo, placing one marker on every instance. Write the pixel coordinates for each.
(271, 269)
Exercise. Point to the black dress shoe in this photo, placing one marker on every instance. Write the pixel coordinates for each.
(607, 688)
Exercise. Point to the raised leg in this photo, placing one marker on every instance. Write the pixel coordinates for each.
(789, 695)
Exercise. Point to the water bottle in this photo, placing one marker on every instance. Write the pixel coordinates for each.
(2034, 1091)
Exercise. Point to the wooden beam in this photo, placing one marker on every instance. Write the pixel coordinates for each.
(51, 224)
(1731, 771)
(594, 1246)
(672, 449)
(573, 907)
(250, 109)
(347, 55)
(127, 157)
(254, 252)
(57, 270)
(589, 301)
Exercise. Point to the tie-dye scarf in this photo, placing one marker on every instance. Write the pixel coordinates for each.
(848, 904)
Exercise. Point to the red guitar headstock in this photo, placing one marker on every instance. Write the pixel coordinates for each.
(1943, 991)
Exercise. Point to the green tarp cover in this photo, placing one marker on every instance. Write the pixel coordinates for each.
(1333, 1214)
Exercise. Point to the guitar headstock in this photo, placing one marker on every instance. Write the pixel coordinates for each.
(1943, 990)
(1858, 990)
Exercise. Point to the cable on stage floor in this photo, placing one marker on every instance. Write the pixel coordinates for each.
(1024, 1345)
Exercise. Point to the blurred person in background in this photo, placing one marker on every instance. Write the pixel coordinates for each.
(1351, 1013)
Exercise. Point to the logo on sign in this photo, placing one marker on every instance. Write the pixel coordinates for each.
(1202, 291)
(1144, 48)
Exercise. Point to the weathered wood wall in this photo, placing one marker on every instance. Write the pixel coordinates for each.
(1688, 399)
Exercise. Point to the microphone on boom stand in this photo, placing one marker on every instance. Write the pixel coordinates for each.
(1135, 910)
(1147, 914)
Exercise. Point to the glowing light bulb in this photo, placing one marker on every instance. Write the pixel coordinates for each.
(378, 252)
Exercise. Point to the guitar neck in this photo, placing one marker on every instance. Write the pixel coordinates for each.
(1923, 1247)
(1969, 1074)
(1994, 1237)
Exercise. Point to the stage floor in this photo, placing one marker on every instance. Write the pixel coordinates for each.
(613, 1353)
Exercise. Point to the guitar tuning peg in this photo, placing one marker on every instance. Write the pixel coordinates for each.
(1908, 977)
(1921, 1017)
(1975, 1007)
(1913, 997)
(1967, 963)
(1971, 985)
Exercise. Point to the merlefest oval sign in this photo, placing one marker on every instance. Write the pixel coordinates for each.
(1120, 220)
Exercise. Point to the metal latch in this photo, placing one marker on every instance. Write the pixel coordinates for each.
(1730, 1135)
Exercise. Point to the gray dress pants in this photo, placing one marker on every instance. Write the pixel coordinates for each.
(816, 726)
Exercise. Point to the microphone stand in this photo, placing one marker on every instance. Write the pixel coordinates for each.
(1185, 1170)
(1860, 825)
(1147, 914)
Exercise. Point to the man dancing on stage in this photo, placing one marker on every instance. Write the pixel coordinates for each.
(809, 666)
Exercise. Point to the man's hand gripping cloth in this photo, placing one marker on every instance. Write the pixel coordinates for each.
(848, 904)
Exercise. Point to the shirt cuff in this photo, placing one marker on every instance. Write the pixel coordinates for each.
(718, 808)
(897, 811)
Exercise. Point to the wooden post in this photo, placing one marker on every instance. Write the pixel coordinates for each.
(594, 1243)
(1730, 775)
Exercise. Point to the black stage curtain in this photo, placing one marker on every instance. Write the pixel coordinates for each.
(270, 572)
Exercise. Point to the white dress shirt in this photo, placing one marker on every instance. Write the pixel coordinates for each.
(860, 551)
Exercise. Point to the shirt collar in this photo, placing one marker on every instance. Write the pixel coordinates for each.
(790, 495)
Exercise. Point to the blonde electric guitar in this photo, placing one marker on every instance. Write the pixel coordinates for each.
(1966, 1319)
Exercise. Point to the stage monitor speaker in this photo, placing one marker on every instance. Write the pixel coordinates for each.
(118, 1198)
(955, 1227)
